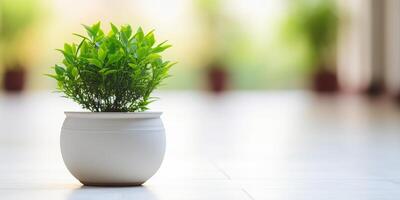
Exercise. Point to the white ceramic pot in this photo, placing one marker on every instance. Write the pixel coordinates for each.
(112, 149)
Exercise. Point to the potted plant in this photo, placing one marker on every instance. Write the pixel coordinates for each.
(315, 22)
(16, 16)
(112, 75)
(216, 69)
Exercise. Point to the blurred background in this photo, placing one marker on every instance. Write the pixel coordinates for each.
(327, 46)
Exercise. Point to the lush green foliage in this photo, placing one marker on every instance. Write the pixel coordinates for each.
(16, 17)
(112, 73)
(315, 22)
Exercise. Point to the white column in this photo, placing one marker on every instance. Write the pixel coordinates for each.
(392, 43)
(354, 44)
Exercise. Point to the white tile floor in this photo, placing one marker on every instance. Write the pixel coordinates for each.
(242, 145)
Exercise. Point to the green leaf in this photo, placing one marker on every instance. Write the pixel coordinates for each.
(59, 70)
(124, 39)
(150, 33)
(89, 31)
(95, 28)
(68, 49)
(95, 62)
(81, 36)
(99, 35)
(141, 53)
(127, 31)
(84, 49)
(114, 28)
(153, 57)
(60, 85)
(79, 47)
(139, 34)
(161, 47)
(110, 72)
(132, 65)
(114, 58)
(150, 40)
(74, 72)
(170, 64)
(101, 54)
(52, 76)
(102, 71)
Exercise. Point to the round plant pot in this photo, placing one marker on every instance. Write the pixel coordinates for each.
(112, 149)
(14, 79)
(325, 81)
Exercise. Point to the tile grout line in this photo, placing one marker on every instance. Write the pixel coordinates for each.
(248, 194)
(229, 178)
(220, 170)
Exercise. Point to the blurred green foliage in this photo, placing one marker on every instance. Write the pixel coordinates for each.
(262, 45)
(313, 23)
(15, 17)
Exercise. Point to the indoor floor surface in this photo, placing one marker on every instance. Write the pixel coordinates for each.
(235, 146)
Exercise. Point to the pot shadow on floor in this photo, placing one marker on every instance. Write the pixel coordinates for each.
(110, 193)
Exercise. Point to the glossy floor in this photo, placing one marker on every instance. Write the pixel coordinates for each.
(241, 145)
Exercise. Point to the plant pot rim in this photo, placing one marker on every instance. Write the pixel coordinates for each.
(112, 115)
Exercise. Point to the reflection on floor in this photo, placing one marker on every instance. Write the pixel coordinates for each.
(240, 145)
